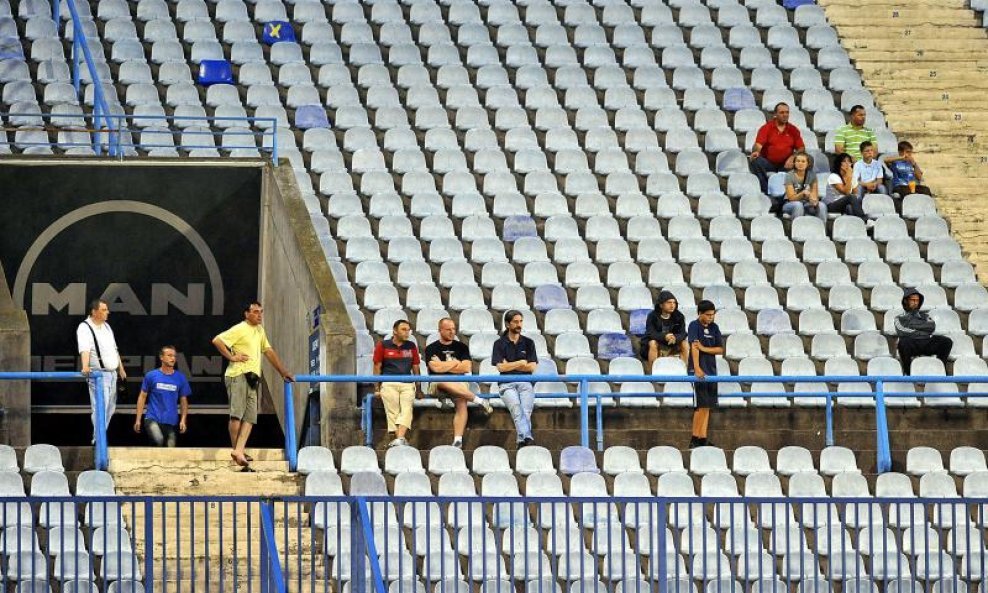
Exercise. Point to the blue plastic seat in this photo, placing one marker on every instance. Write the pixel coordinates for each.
(636, 322)
(736, 99)
(517, 227)
(794, 4)
(614, 345)
(575, 460)
(11, 48)
(215, 72)
(277, 31)
(550, 296)
(308, 117)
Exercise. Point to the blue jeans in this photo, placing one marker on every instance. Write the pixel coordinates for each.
(800, 208)
(519, 398)
(160, 435)
(109, 395)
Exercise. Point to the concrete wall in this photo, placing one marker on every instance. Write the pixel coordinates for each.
(295, 281)
(15, 355)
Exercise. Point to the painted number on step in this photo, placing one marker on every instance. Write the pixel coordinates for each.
(945, 97)
(958, 117)
(895, 14)
(933, 73)
(907, 33)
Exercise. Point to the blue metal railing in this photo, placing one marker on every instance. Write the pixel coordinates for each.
(102, 459)
(584, 395)
(118, 134)
(381, 543)
(196, 133)
(80, 50)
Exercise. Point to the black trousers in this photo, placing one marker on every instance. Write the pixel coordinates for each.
(938, 346)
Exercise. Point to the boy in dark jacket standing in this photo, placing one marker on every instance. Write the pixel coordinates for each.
(915, 330)
(665, 331)
(705, 344)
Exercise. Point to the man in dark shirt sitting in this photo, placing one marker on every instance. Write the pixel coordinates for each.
(449, 356)
(514, 354)
(665, 331)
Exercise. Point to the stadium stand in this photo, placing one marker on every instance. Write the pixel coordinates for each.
(541, 170)
(570, 159)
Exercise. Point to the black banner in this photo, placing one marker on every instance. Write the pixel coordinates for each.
(174, 250)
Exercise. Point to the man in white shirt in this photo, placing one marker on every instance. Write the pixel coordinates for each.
(98, 353)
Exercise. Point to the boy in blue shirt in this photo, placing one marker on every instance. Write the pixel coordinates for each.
(163, 390)
(706, 343)
(906, 174)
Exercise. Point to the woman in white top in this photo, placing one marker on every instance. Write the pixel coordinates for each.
(801, 189)
(841, 196)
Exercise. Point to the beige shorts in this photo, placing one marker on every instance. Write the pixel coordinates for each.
(243, 399)
(398, 399)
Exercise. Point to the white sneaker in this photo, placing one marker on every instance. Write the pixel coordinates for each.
(458, 443)
(397, 443)
(869, 223)
(486, 405)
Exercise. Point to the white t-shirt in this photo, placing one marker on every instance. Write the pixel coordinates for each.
(107, 344)
(832, 192)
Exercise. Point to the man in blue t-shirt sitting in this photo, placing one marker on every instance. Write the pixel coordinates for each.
(163, 390)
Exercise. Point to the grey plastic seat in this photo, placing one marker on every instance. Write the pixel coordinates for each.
(41, 457)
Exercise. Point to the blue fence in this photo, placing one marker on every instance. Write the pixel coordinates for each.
(445, 544)
(874, 388)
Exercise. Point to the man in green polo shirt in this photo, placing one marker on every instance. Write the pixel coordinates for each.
(848, 138)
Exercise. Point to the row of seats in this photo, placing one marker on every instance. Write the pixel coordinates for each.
(616, 460)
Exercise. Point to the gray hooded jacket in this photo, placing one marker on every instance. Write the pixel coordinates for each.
(914, 325)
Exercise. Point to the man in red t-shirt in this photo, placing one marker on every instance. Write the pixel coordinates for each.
(775, 144)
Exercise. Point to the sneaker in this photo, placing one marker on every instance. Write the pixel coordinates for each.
(458, 443)
(446, 404)
(397, 443)
(695, 442)
(486, 405)
(869, 224)
(529, 441)
(521, 444)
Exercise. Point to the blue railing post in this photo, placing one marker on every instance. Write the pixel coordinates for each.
(291, 447)
(584, 413)
(884, 461)
(272, 578)
(55, 5)
(99, 431)
(830, 418)
(274, 143)
(600, 422)
(368, 419)
(660, 553)
(148, 545)
(363, 549)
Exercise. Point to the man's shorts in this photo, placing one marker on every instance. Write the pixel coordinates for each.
(704, 394)
(243, 399)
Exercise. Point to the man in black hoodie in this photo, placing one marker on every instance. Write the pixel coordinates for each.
(665, 331)
(915, 330)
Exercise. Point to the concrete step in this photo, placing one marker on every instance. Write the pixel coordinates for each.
(217, 513)
(919, 32)
(190, 453)
(125, 466)
(245, 559)
(242, 584)
(221, 482)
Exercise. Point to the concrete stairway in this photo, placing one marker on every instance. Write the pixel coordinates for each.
(202, 547)
(927, 63)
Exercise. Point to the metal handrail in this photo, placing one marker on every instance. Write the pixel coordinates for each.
(883, 447)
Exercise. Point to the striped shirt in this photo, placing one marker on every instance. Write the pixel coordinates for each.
(852, 138)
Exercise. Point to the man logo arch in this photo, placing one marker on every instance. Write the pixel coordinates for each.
(132, 207)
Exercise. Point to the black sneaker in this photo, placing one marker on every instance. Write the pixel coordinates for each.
(529, 441)
(522, 443)
(695, 442)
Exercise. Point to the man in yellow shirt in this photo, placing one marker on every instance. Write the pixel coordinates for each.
(243, 345)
